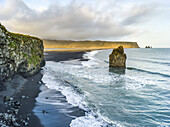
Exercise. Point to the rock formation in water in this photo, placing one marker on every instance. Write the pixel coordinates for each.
(19, 54)
(148, 47)
(118, 58)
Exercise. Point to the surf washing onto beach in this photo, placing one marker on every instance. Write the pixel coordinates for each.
(87, 93)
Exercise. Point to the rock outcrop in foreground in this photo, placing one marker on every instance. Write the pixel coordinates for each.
(118, 58)
(21, 54)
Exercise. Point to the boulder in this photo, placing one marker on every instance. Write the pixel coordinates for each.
(22, 54)
(118, 58)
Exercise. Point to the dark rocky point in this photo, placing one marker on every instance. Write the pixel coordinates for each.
(148, 47)
(118, 58)
(44, 112)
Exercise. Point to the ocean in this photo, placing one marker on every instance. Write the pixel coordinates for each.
(136, 96)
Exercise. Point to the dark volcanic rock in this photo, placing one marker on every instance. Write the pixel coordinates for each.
(118, 58)
(20, 54)
(10, 118)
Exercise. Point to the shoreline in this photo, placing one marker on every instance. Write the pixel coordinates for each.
(25, 94)
(57, 56)
(28, 90)
(73, 49)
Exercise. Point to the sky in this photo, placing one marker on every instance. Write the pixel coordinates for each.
(144, 21)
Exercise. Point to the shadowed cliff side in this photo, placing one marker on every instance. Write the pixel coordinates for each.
(20, 54)
(88, 44)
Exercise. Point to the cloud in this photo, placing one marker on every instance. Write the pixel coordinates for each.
(138, 14)
(74, 20)
(12, 9)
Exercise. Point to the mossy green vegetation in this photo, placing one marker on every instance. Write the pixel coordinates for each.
(17, 41)
(22, 37)
(23, 52)
(4, 30)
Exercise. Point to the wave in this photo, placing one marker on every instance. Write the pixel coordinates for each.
(91, 59)
(75, 97)
(149, 72)
(62, 77)
(150, 61)
(91, 121)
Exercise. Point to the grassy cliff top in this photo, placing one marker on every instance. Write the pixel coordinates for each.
(87, 41)
(17, 36)
(22, 37)
(97, 44)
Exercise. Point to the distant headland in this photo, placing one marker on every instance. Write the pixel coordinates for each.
(88, 44)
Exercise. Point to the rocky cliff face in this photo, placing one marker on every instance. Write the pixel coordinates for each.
(118, 58)
(20, 54)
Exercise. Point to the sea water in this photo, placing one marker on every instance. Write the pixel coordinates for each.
(136, 96)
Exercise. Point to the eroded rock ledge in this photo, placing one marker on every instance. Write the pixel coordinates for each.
(19, 54)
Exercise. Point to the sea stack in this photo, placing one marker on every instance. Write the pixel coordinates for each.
(19, 54)
(118, 58)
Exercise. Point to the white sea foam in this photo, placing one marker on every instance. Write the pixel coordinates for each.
(93, 84)
(92, 120)
(137, 83)
(53, 82)
(92, 61)
(89, 120)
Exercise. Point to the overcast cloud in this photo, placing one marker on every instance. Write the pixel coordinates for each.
(74, 19)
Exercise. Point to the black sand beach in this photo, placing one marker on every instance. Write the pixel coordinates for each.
(63, 56)
(26, 90)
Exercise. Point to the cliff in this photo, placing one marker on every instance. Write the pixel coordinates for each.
(21, 54)
(88, 44)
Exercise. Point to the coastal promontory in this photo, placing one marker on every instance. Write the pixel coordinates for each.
(87, 44)
(19, 54)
